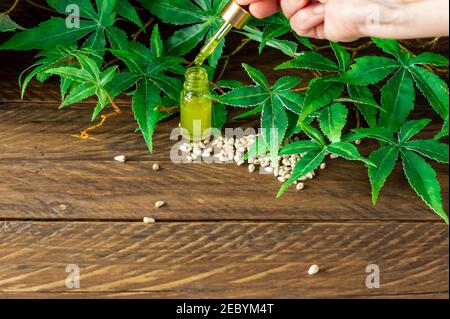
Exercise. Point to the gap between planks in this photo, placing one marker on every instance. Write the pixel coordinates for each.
(225, 221)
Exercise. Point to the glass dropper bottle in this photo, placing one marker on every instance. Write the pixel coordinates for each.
(234, 16)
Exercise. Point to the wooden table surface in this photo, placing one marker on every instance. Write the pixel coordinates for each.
(222, 233)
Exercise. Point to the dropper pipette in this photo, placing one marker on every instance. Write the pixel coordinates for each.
(234, 16)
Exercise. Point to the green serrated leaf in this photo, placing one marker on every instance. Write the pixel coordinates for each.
(384, 159)
(369, 70)
(349, 152)
(229, 84)
(245, 96)
(307, 163)
(274, 123)
(286, 83)
(88, 65)
(369, 108)
(422, 178)
(300, 147)
(204, 4)
(257, 76)
(292, 101)
(434, 89)
(254, 111)
(145, 100)
(125, 9)
(107, 76)
(429, 148)
(392, 47)
(287, 47)
(293, 126)
(342, 56)
(310, 60)
(178, 12)
(65, 85)
(397, 100)
(411, 128)
(320, 93)
(72, 74)
(429, 58)
(79, 93)
(185, 40)
(444, 131)
(86, 9)
(271, 32)
(156, 43)
(314, 134)
(45, 37)
(379, 133)
(131, 60)
(117, 38)
(169, 85)
(332, 121)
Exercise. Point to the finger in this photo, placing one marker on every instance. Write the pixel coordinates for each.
(247, 2)
(290, 7)
(308, 18)
(315, 33)
(263, 9)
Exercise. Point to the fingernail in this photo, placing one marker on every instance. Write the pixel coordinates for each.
(319, 9)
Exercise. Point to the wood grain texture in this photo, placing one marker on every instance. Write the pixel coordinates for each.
(111, 190)
(222, 234)
(43, 169)
(208, 260)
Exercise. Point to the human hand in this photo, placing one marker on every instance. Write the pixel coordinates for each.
(347, 20)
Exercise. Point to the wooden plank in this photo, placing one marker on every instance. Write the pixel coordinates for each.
(42, 132)
(210, 260)
(111, 190)
(43, 169)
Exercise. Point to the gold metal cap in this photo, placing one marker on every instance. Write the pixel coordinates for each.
(235, 15)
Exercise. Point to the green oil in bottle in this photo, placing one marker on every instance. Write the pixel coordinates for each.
(196, 106)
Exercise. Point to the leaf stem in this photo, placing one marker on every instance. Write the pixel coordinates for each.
(84, 134)
(146, 25)
(218, 88)
(14, 5)
(166, 109)
(113, 104)
(40, 6)
(227, 58)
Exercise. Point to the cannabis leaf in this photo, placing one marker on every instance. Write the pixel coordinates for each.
(332, 120)
(59, 56)
(203, 17)
(96, 25)
(87, 81)
(287, 47)
(444, 131)
(275, 27)
(420, 174)
(327, 89)
(126, 10)
(272, 101)
(398, 94)
(147, 68)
